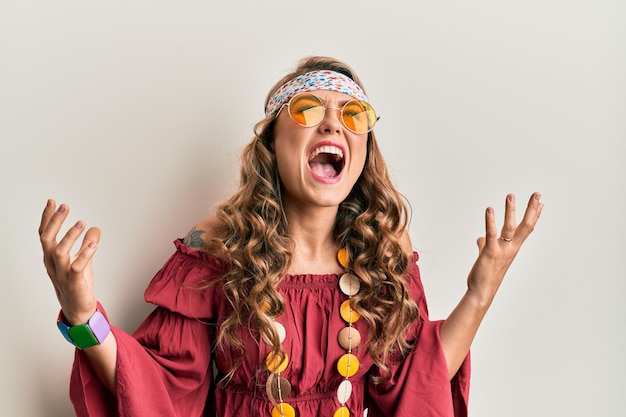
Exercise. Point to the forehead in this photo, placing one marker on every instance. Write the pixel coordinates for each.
(329, 97)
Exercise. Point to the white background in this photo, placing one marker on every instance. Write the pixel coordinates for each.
(134, 113)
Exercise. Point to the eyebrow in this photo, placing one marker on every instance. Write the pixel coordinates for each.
(341, 103)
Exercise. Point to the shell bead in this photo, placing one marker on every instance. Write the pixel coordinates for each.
(282, 333)
(349, 284)
(344, 391)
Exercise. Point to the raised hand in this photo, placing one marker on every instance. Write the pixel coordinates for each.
(496, 253)
(71, 275)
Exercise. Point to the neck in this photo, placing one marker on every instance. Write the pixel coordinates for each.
(315, 250)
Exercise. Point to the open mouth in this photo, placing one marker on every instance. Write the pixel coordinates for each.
(326, 161)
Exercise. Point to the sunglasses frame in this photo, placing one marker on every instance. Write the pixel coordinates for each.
(329, 108)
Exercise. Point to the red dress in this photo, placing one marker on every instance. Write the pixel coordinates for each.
(168, 366)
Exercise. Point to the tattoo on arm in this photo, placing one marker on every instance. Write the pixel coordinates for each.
(193, 239)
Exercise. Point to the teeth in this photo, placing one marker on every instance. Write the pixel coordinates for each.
(333, 150)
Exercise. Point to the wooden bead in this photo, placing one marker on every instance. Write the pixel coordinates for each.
(349, 338)
(347, 313)
(265, 306)
(277, 387)
(347, 365)
(342, 412)
(283, 410)
(273, 365)
(342, 257)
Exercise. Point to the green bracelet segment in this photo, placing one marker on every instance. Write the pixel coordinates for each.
(82, 336)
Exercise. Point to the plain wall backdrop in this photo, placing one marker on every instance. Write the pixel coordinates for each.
(134, 114)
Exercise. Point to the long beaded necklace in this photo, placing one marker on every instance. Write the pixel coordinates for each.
(278, 388)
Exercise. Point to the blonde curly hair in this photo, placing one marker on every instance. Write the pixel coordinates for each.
(253, 240)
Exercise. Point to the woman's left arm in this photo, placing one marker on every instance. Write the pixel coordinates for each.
(495, 256)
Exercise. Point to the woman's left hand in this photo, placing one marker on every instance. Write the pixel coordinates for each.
(496, 253)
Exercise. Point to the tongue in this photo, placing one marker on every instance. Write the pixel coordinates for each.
(323, 170)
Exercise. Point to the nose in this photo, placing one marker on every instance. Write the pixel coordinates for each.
(332, 120)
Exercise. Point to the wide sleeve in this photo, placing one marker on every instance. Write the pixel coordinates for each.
(164, 368)
(420, 385)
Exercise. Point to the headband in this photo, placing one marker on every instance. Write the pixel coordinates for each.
(311, 81)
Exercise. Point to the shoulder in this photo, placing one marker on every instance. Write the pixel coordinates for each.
(406, 244)
(201, 233)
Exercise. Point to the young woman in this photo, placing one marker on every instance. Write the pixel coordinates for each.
(300, 296)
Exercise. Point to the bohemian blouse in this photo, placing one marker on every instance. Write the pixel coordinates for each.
(169, 366)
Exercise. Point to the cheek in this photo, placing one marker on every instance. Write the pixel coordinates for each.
(359, 156)
(278, 146)
(288, 150)
(287, 163)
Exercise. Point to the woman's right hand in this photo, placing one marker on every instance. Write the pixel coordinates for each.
(71, 275)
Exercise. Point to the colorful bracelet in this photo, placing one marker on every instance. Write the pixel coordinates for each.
(85, 335)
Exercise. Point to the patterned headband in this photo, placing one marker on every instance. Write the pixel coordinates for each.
(314, 80)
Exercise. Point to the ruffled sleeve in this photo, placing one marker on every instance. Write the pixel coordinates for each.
(420, 385)
(163, 369)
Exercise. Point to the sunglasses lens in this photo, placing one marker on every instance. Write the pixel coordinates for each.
(306, 109)
(358, 116)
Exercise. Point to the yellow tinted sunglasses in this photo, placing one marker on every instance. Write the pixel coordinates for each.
(308, 110)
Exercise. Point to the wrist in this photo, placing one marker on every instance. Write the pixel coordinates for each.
(93, 332)
(77, 314)
(76, 319)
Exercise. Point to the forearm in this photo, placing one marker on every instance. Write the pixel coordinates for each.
(103, 359)
(459, 330)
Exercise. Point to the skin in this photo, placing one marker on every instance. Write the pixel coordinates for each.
(72, 278)
(494, 258)
(310, 207)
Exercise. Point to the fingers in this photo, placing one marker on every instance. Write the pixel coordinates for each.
(66, 244)
(92, 236)
(510, 229)
(480, 242)
(509, 226)
(86, 252)
(57, 257)
(491, 231)
(531, 215)
(51, 222)
(47, 213)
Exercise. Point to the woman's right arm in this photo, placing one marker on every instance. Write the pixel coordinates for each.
(72, 278)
